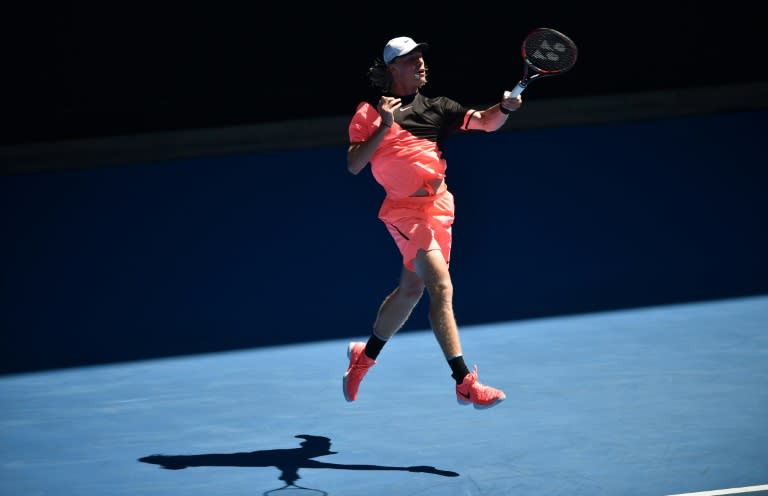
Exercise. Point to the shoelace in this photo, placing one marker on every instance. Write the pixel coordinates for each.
(359, 366)
(481, 389)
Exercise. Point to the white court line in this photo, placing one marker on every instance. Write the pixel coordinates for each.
(733, 490)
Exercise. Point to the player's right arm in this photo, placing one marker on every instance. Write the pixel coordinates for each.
(359, 153)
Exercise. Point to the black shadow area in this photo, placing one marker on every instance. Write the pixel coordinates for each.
(288, 461)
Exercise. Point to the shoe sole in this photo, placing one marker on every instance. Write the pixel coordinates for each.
(344, 382)
(479, 407)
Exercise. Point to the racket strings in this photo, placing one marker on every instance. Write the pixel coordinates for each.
(549, 51)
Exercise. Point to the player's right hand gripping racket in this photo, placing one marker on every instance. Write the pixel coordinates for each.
(546, 52)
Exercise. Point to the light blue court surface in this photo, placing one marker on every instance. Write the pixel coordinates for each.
(646, 402)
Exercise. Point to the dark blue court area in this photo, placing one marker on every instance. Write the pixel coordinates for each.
(180, 328)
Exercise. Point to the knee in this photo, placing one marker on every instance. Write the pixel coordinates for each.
(441, 290)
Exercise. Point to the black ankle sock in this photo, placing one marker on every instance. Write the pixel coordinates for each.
(459, 368)
(373, 346)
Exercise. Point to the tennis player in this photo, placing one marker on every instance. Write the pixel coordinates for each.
(400, 135)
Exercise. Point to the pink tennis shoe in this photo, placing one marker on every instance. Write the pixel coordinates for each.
(471, 392)
(359, 364)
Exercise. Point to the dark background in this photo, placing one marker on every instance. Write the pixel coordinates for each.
(166, 257)
(82, 70)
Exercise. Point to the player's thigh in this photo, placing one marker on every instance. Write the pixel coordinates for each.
(432, 268)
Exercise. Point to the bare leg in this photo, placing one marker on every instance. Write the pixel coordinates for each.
(433, 271)
(398, 305)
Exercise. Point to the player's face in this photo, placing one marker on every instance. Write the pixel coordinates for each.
(409, 68)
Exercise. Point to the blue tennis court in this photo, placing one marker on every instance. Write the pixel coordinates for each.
(652, 401)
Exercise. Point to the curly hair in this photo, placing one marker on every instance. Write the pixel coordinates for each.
(379, 76)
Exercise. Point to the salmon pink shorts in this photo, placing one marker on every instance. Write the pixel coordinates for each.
(420, 223)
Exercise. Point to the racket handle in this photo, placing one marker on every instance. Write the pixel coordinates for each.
(515, 91)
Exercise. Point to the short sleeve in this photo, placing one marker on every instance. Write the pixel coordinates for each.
(363, 123)
(457, 116)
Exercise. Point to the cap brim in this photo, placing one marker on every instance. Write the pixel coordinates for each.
(419, 46)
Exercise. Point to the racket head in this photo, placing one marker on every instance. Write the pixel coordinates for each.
(548, 52)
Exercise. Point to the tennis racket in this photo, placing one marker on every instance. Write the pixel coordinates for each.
(546, 52)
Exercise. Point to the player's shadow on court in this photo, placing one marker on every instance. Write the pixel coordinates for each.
(288, 461)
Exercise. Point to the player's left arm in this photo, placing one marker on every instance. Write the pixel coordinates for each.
(494, 116)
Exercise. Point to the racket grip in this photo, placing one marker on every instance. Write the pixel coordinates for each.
(515, 91)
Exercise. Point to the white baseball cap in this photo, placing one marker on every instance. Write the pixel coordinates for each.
(400, 46)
